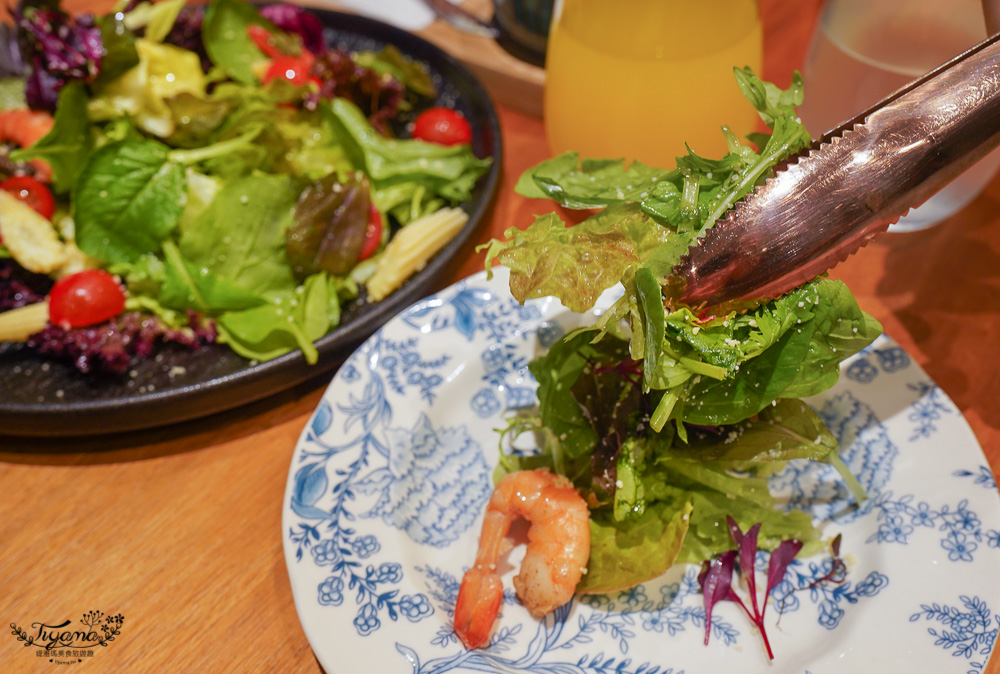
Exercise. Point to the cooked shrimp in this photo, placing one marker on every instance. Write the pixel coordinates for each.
(554, 561)
(25, 127)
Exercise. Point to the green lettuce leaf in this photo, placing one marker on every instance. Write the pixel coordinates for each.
(224, 34)
(127, 200)
(592, 183)
(70, 141)
(241, 234)
(624, 554)
(428, 170)
(187, 285)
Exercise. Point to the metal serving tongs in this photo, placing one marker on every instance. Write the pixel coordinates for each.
(850, 185)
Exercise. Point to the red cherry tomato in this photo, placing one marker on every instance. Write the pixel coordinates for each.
(443, 126)
(262, 38)
(32, 192)
(295, 69)
(85, 298)
(373, 235)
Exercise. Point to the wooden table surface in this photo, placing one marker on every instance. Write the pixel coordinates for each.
(178, 529)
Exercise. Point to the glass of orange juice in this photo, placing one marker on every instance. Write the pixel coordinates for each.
(638, 79)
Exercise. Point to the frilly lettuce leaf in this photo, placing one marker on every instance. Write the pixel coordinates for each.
(576, 264)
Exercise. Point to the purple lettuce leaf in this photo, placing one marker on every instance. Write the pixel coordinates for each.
(57, 48)
(299, 21)
(113, 346)
(19, 287)
(341, 76)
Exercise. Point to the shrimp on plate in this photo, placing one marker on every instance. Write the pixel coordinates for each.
(24, 128)
(554, 561)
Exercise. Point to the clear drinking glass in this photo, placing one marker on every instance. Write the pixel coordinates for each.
(639, 78)
(862, 51)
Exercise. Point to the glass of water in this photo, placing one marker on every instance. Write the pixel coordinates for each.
(862, 51)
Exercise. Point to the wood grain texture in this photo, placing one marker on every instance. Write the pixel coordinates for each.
(179, 528)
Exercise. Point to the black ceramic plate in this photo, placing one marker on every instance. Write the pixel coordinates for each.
(41, 398)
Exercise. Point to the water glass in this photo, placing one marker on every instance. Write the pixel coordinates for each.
(862, 51)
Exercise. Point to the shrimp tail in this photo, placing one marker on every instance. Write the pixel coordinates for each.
(479, 599)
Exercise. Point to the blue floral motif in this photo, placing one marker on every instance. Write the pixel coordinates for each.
(928, 409)
(403, 368)
(681, 604)
(350, 373)
(966, 631)
(892, 358)
(331, 591)
(827, 595)
(617, 617)
(485, 403)
(326, 552)
(548, 333)
(982, 477)
(554, 633)
(476, 312)
(470, 311)
(861, 371)
(428, 482)
(866, 450)
(962, 528)
(520, 396)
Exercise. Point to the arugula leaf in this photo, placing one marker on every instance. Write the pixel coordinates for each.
(127, 200)
(69, 142)
(224, 33)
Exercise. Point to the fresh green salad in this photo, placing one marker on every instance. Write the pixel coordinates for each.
(670, 418)
(222, 163)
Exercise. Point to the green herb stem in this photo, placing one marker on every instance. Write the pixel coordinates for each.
(224, 147)
(857, 491)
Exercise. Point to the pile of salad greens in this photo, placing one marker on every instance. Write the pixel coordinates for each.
(669, 418)
(223, 161)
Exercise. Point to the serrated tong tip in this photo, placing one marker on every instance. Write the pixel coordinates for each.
(838, 194)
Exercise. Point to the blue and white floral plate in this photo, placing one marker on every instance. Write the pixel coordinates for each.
(389, 478)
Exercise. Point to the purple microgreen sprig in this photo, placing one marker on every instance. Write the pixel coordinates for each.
(838, 568)
(716, 577)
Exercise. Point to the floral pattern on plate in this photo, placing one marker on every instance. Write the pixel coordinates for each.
(389, 478)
